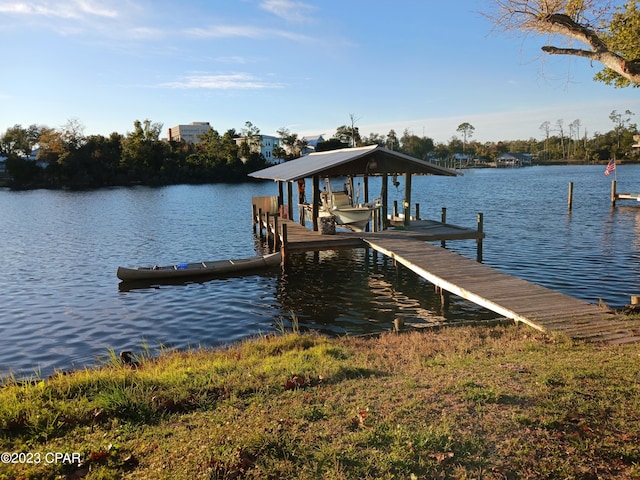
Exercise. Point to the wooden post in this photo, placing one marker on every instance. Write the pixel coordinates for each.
(614, 195)
(443, 243)
(276, 234)
(375, 215)
(385, 201)
(445, 299)
(267, 232)
(395, 209)
(407, 199)
(479, 240)
(290, 199)
(285, 242)
(260, 223)
(417, 211)
(365, 200)
(253, 218)
(316, 201)
(570, 200)
(280, 195)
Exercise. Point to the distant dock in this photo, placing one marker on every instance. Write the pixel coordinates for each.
(615, 196)
(511, 297)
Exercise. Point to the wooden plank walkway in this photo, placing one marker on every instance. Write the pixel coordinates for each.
(541, 308)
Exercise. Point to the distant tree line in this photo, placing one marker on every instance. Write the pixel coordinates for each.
(66, 158)
(561, 143)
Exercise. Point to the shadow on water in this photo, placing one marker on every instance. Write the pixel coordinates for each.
(361, 292)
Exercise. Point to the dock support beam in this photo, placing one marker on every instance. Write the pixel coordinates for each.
(443, 219)
(614, 195)
(385, 201)
(479, 240)
(407, 199)
(285, 243)
(316, 201)
(290, 199)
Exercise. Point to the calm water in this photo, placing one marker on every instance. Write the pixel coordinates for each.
(61, 305)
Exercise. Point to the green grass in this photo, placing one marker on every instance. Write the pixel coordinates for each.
(460, 403)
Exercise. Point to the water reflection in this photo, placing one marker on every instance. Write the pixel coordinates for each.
(360, 291)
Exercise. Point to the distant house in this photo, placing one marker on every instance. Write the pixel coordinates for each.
(311, 143)
(188, 133)
(514, 160)
(267, 144)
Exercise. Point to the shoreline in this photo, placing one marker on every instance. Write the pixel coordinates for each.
(474, 401)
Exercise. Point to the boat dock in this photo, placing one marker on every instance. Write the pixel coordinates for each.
(509, 296)
(615, 196)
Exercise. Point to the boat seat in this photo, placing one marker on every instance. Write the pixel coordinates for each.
(341, 199)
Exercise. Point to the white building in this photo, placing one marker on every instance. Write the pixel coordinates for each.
(188, 133)
(267, 144)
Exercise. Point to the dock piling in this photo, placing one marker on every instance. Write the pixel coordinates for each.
(479, 240)
(443, 243)
(570, 199)
(275, 233)
(284, 243)
(253, 217)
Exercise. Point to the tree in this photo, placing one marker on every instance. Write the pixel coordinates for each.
(352, 117)
(466, 129)
(546, 129)
(620, 120)
(560, 125)
(392, 140)
(417, 147)
(609, 33)
(142, 153)
(19, 141)
(293, 146)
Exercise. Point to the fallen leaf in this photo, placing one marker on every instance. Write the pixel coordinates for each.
(441, 456)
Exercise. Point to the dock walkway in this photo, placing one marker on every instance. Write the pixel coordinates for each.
(509, 296)
(514, 298)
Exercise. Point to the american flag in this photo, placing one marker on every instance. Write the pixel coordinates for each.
(611, 166)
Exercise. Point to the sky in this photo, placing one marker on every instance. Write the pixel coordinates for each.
(310, 66)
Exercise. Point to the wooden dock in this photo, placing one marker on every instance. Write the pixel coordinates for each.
(511, 297)
(539, 307)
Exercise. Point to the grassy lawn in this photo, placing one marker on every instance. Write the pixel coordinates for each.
(461, 403)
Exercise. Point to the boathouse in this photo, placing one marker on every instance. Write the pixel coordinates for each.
(367, 161)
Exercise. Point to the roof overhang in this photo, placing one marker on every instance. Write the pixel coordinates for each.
(371, 160)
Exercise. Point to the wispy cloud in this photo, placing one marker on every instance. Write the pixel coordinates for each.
(244, 31)
(234, 81)
(74, 9)
(289, 10)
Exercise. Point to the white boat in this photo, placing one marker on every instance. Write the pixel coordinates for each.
(341, 205)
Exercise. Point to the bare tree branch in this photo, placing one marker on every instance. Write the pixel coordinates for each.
(568, 19)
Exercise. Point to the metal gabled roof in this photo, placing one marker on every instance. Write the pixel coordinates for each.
(371, 160)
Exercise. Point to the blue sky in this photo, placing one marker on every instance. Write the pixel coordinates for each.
(422, 65)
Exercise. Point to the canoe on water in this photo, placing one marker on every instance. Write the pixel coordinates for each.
(187, 270)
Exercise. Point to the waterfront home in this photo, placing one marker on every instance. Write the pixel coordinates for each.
(514, 160)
